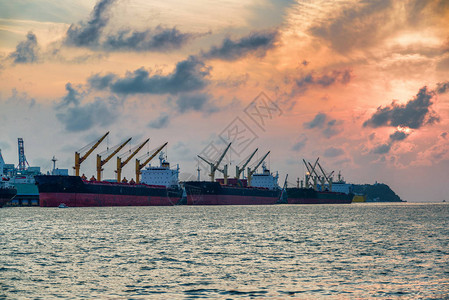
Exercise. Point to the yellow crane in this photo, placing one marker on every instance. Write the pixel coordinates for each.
(101, 163)
(239, 170)
(139, 165)
(79, 159)
(214, 166)
(121, 164)
(251, 171)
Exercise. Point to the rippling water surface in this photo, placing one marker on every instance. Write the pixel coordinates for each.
(316, 251)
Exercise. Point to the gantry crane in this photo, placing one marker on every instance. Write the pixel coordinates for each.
(22, 158)
(239, 170)
(214, 166)
(101, 163)
(139, 165)
(79, 159)
(121, 164)
(257, 164)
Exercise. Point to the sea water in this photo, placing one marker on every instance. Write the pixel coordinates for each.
(301, 251)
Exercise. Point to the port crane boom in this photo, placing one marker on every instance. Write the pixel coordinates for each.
(101, 163)
(251, 171)
(79, 159)
(239, 170)
(121, 164)
(327, 177)
(139, 165)
(214, 166)
(310, 172)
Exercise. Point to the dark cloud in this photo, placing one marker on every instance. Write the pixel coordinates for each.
(189, 75)
(72, 97)
(398, 136)
(26, 51)
(196, 102)
(299, 145)
(333, 152)
(91, 34)
(382, 149)
(161, 122)
(256, 43)
(332, 128)
(158, 39)
(414, 114)
(88, 34)
(359, 26)
(324, 79)
(329, 128)
(442, 87)
(101, 82)
(443, 135)
(78, 117)
(233, 81)
(318, 121)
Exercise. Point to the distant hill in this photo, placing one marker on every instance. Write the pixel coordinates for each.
(378, 192)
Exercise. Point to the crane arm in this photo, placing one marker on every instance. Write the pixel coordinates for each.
(313, 170)
(259, 163)
(152, 156)
(239, 170)
(115, 152)
(83, 158)
(222, 156)
(209, 163)
(134, 153)
(307, 166)
(325, 175)
(248, 160)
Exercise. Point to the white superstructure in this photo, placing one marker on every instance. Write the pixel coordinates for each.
(161, 175)
(342, 187)
(265, 179)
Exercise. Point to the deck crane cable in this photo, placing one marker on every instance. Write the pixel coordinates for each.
(240, 168)
(139, 165)
(214, 165)
(129, 155)
(254, 169)
(113, 151)
(79, 157)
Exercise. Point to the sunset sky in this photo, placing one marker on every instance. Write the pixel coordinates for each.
(363, 85)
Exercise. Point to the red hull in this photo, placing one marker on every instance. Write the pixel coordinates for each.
(88, 200)
(230, 200)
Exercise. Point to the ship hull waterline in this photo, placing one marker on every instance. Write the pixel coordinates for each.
(75, 192)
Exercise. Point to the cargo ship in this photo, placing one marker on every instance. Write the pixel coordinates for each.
(264, 190)
(311, 196)
(158, 187)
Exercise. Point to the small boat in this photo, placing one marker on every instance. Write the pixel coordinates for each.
(63, 205)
